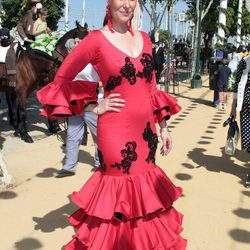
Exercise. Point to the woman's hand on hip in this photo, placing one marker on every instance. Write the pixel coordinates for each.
(110, 103)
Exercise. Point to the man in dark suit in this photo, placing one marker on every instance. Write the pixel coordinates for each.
(25, 24)
(159, 59)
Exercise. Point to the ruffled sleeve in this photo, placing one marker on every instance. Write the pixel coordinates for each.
(69, 98)
(66, 95)
(164, 105)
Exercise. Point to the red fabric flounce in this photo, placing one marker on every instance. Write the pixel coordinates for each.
(133, 196)
(164, 105)
(156, 231)
(60, 100)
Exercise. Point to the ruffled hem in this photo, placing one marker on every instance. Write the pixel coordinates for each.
(60, 100)
(156, 231)
(164, 105)
(132, 196)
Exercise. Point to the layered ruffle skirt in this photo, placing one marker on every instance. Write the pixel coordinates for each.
(127, 213)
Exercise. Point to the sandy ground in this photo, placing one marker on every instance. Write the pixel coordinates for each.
(215, 203)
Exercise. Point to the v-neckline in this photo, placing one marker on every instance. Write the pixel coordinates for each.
(126, 54)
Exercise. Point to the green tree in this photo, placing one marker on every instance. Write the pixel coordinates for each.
(210, 17)
(164, 36)
(56, 9)
(210, 24)
(14, 9)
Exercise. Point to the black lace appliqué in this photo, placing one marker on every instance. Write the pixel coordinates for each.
(148, 67)
(102, 164)
(128, 71)
(129, 156)
(113, 82)
(152, 139)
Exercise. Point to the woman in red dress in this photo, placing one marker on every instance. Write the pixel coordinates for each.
(127, 203)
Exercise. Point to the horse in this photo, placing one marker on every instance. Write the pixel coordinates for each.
(36, 68)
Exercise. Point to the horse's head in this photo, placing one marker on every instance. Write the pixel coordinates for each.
(79, 26)
(61, 51)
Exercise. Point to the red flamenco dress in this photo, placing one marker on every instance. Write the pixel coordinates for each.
(127, 202)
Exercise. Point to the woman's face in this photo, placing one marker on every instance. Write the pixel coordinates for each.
(43, 17)
(33, 8)
(122, 10)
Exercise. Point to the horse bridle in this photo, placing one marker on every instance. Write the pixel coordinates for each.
(63, 56)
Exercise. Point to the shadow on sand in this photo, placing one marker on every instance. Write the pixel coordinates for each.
(28, 244)
(222, 163)
(55, 219)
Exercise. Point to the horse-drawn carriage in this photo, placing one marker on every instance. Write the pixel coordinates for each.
(32, 68)
(181, 53)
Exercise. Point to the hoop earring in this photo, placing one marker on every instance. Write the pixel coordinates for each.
(109, 18)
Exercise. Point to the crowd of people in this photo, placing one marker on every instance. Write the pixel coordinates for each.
(224, 76)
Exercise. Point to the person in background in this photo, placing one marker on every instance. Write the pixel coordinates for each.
(241, 103)
(80, 35)
(159, 59)
(233, 59)
(223, 76)
(77, 125)
(45, 39)
(40, 26)
(70, 44)
(26, 23)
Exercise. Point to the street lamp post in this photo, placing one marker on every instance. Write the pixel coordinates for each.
(83, 12)
(196, 81)
(66, 24)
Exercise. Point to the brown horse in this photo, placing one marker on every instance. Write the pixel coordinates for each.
(34, 68)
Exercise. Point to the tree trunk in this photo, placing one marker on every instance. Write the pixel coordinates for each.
(222, 22)
(206, 55)
(238, 36)
(155, 17)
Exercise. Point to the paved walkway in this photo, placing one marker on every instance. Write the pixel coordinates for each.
(215, 203)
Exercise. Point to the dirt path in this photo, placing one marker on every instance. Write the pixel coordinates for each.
(215, 203)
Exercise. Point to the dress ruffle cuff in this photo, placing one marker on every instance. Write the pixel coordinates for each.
(164, 105)
(69, 98)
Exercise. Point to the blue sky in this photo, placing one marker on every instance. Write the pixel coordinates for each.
(95, 11)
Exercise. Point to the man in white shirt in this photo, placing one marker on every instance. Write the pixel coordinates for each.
(77, 125)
